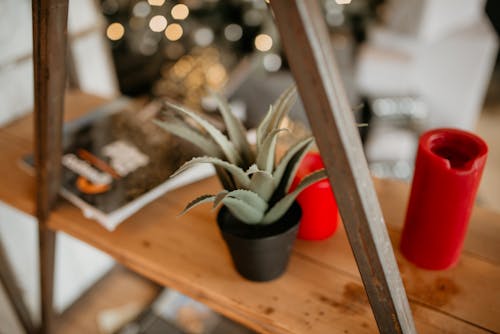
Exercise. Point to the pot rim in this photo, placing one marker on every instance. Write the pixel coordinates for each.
(239, 229)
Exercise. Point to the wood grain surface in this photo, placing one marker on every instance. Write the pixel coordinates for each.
(50, 20)
(320, 293)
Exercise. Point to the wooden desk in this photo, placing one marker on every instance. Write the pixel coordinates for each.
(321, 291)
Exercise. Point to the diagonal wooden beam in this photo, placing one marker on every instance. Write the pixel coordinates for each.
(311, 58)
(49, 62)
(8, 280)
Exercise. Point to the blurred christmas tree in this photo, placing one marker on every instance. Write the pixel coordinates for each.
(179, 49)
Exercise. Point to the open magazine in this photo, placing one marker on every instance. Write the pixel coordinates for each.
(115, 161)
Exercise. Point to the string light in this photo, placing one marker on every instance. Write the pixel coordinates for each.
(203, 36)
(180, 11)
(233, 32)
(173, 32)
(141, 9)
(158, 23)
(216, 74)
(156, 2)
(263, 42)
(115, 31)
(272, 62)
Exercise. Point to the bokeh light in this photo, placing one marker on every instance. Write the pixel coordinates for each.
(272, 62)
(158, 23)
(115, 31)
(263, 42)
(156, 2)
(180, 11)
(216, 75)
(173, 32)
(233, 32)
(141, 9)
(203, 36)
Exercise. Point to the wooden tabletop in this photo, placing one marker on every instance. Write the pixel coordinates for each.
(320, 293)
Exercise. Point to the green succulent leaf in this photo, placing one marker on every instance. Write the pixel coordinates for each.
(181, 129)
(240, 177)
(265, 154)
(289, 164)
(226, 146)
(279, 209)
(249, 197)
(262, 129)
(275, 114)
(252, 169)
(243, 211)
(219, 197)
(236, 131)
(282, 106)
(197, 201)
(263, 184)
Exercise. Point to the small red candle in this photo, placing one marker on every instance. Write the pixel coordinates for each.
(319, 209)
(448, 169)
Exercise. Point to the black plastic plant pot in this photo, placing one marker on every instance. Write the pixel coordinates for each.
(260, 252)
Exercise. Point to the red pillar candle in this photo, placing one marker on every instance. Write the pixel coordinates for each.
(319, 209)
(448, 169)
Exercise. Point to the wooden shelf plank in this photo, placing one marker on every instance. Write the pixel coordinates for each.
(16, 140)
(321, 291)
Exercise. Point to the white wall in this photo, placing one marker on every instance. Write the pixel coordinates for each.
(78, 266)
(92, 58)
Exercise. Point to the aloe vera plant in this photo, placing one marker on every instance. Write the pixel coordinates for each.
(256, 187)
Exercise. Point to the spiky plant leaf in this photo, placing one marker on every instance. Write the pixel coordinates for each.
(262, 129)
(226, 146)
(197, 201)
(249, 197)
(279, 209)
(242, 210)
(219, 197)
(236, 131)
(263, 184)
(252, 169)
(240, 177)
(282, 106)
(289, 164)
(181, 129)
(265, 154)
(276, 113)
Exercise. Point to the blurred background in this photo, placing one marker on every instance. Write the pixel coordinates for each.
(408, 66)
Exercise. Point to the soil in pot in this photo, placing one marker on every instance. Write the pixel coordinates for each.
(260, 252)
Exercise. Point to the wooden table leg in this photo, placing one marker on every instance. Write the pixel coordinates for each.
(312, 61)
(49, 62)
(8, 281)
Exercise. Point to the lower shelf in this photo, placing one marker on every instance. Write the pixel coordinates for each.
(117, 289)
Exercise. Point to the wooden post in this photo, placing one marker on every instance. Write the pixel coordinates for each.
(14, 294)
(310, 55)
(49, 62)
